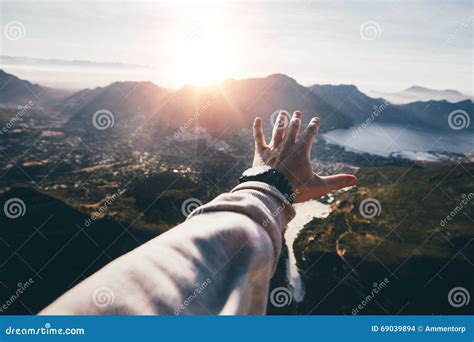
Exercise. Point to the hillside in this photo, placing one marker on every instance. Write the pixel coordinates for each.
(15, 91)
(223, 108)
(342, 256)
(131, 103)
(56, 243)
(417, 93)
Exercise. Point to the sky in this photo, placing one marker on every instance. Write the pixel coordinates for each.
(380, 45)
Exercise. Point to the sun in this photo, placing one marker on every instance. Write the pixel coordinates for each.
(203, 61)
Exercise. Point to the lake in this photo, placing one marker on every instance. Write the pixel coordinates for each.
(385, 139)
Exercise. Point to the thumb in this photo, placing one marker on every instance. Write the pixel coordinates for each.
(339, 181)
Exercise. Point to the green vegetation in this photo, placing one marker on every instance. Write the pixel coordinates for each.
(412, 204)
(341, 258)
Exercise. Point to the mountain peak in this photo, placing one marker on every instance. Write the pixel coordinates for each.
(281, 77)
(416, 88)
(419, 89)
(4, 75)
(18, 91)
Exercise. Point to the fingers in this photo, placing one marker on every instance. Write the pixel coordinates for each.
(279, 128)
(292, 131)
(258, 135)
(310, 133)
(340, 181)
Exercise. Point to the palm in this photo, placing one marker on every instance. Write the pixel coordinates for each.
(292, 157)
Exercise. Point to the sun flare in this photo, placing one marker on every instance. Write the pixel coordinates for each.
(205, 61)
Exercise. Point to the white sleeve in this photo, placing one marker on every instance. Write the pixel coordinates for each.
(219, 261)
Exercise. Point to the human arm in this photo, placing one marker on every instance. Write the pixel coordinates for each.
(221, 259)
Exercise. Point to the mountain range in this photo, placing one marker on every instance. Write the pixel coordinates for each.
(417, 93)
(15, 91)
(65, 170)
(225, 107)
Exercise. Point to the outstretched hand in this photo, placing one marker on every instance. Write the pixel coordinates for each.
(291, 156)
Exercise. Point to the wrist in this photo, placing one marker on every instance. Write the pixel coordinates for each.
(288, 176)
(271, 176)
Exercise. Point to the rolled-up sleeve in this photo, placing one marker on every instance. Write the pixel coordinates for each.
(219, 261)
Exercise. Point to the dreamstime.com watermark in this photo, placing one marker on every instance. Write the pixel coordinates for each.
(14, 208)
(192, 297)
(189, 205)
(21, 110)
(458, 297)
(370, 30)
(457, 209)
(370, 208)
(280, 208)
(192, 120)
(22, 287)
(104, 207)
(281, 296)
(46, 330)
(103, 119)
(283, 121)
(14, 30)
(460, 29)
(103, 297)
(458, 119)
(377, 288)
(377, 110)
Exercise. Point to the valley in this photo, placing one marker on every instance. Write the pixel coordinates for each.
(164, 147)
